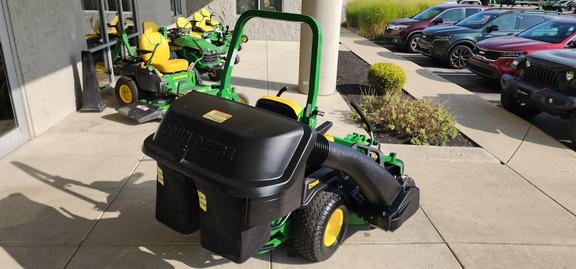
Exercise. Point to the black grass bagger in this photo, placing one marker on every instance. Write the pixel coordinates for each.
(249, 178)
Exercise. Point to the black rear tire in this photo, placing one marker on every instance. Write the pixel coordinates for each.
(515, 106)
(320, 227)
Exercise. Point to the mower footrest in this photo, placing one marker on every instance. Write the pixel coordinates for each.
(405, 205)
(141, 112)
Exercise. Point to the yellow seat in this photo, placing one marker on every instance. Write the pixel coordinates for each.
(280, 106)
(208, 18)
(150, 40)
(186, 27)
(200, 23)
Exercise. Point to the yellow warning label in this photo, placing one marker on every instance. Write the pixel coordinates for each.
(313, 183)
(160, 175)
(202, 201)
(217, 116)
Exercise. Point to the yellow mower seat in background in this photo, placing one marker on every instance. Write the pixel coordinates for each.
(200, 23)
(186, 27)
(280, 106)
(161, 60)
(208, 18)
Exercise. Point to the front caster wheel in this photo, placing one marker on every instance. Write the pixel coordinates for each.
(320, 227)
(126, 91)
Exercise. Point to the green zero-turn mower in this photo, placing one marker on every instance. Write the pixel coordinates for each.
(206, 57)
(146, 88)
(250, 178)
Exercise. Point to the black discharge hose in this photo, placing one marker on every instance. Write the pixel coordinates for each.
(378, 186)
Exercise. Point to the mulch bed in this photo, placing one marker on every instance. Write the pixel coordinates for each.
(352, 82)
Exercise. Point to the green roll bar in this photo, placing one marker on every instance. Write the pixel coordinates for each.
(310, 110)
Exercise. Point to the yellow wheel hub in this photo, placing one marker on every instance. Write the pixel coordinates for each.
(334, 227)
(125, 94)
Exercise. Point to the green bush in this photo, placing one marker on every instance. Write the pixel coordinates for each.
(386, 78)
(426, 122)
(372, 16)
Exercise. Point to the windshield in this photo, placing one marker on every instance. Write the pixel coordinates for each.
(427, 14)
(550, 31)
(477, 20)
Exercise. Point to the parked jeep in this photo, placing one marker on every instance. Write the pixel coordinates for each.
(453, 44)
(492, 57)
(545, 82)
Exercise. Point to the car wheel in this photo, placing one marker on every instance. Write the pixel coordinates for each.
(320, 227)
(412, 44)
(515, 106)
(458, 56)
(572, 129)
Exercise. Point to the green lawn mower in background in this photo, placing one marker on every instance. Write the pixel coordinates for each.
(250, 178)
(149, 85)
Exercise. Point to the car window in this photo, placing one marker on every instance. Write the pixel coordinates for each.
(477, 20)
(527, 21)
(427, 14)
(550, 31)
(506, 22)
(452, 15)
(470, 11)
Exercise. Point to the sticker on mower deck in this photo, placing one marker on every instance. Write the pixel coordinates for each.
(141, 107)
(202, 201)
(217, 116)
(160, 175)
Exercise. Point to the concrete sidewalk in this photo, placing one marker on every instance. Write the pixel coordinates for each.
(82, 195)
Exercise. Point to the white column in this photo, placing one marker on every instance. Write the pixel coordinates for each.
(327, 13)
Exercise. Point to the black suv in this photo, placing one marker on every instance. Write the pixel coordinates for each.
(546, 82)
(454, 44)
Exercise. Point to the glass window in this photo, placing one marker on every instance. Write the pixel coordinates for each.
(470, 11)
(452, 15)
(527, 21)
(176, 7)
(506, 22)
(103, 33)
(244, 5)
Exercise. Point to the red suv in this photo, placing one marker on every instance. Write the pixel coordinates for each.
(404, 32)
(492, 57)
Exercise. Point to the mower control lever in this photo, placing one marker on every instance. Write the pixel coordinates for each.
(281, 91)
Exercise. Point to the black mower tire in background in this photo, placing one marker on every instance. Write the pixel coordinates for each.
(237, 59)
(215, 75)
(515, 106)
(243, 98)
(320, 227)
(126, 91)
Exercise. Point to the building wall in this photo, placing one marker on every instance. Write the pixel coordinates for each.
(49, 38)
(257, 29)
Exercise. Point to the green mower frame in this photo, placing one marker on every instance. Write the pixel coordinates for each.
(251, 178)
(145, 93)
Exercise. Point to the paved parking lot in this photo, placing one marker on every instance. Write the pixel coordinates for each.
(487, 89)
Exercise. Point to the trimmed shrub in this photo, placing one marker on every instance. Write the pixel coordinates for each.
(426, 122)
(386, 78)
